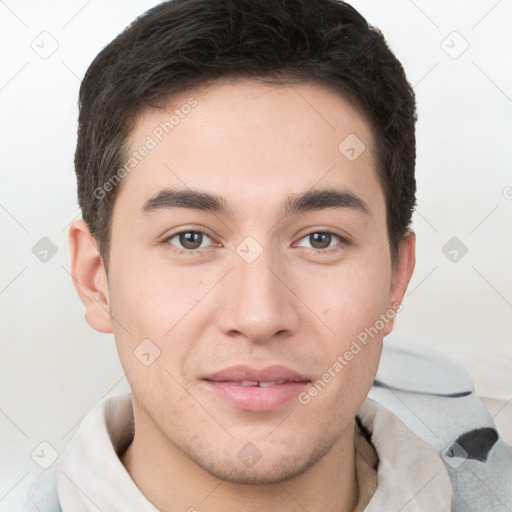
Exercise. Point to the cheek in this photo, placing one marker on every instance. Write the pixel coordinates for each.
(351, 299)
(151, 312)
(350, 306)
(153, 298)
(158, 312)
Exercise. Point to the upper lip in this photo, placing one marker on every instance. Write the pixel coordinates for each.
(243, 372)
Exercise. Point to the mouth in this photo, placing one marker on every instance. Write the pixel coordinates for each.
(256, 390)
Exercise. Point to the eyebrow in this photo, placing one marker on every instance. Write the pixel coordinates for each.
(297, 203)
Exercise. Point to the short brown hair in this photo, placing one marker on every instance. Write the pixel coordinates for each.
(180, 45)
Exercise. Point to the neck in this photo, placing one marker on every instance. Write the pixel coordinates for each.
(172, 481)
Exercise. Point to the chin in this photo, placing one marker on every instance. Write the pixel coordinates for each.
(261, 470)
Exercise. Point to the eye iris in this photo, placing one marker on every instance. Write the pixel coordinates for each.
(322, 240)
(191, 239)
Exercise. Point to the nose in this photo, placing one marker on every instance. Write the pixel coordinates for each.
(259, 303)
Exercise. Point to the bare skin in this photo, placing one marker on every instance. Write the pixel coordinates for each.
(299, 304)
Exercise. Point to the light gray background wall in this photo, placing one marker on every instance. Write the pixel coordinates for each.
(53, 367)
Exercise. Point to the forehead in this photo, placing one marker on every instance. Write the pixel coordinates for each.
(251, 143)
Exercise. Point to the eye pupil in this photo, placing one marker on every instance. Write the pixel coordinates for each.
(189, 239)
(324, 240)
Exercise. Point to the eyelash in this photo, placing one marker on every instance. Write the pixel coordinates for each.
(192, 252)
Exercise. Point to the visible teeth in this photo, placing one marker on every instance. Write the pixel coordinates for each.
(271, 383)
(248, 383)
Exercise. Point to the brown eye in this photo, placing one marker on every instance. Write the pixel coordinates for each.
(189, 240)
(320, 240)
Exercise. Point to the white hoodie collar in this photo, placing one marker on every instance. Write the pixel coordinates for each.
(91, 477)
(411, 476)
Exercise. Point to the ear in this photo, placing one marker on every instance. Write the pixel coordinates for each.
(406, 260)
(89, 277)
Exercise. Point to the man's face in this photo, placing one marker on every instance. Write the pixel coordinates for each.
(253, 284)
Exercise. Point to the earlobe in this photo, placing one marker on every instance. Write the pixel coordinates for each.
(406, 260)
(89, 277)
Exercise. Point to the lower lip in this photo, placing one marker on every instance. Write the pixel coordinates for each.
(255, 398)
